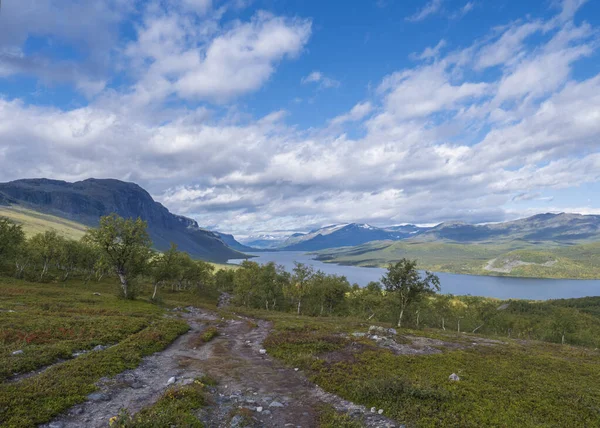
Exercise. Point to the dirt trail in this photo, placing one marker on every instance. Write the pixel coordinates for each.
(247, 379)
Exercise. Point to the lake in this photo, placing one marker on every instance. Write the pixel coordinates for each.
(489, 286)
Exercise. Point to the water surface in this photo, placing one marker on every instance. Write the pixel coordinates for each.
(490, 286)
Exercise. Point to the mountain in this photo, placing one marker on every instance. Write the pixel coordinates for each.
(264, 242)
(86, 201)
(562, 228)
(344, 235)
(233, 243)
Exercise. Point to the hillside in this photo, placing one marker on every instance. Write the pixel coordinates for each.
(34, 222)
(517, 258)
(86, 201)
(345, 235)
(564, 228)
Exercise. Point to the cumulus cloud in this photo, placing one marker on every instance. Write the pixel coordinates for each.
(458, 135)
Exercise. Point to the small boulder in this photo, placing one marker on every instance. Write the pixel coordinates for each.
(373, 409)
(262, 351)
(377, 329)
(380, 411)
(97, 294)
(275, 404)
(99, 348)
(296, 369)
(98, 396)
(392, 331)
(454, 377)
(19, 352)
(259, 409)
(171, 380)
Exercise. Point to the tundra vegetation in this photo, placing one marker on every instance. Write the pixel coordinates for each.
(60, 298)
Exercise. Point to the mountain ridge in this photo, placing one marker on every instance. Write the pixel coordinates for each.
(87, 200)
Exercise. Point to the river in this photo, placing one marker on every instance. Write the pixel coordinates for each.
(489, 286)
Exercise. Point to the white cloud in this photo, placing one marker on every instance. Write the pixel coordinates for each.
(444, 139)
(358, 112)
(431, 8)
(320, 79)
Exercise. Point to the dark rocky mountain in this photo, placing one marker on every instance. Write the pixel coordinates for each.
(233, 243)
(542, 227)
(86, 201)
(345, 235)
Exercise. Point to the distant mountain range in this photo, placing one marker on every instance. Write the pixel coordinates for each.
(560, 228)
(86, 201)
(264, 242)
(344, 235)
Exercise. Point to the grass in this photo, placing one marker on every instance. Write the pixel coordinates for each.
(34, 222)
(49, 322)
(580, 261)
(525, 384)
(176, 408)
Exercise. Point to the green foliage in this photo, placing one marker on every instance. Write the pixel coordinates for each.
(209, 334)
(125, 246)
(176, 408)
(405, 286)
(329, 418)
(11, 238)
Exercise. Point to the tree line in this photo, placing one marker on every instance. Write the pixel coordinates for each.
(122, 249)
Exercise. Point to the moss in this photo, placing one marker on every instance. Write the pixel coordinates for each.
(515, 384)
(176, 408)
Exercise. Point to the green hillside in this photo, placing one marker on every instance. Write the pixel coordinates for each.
(34, 222)
(516, 258)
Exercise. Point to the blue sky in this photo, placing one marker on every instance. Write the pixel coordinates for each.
(275, 116)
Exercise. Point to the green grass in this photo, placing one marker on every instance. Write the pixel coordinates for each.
(580, 261)
(34, 222)
(37, 399)
(525, 384)
(48, 322)
(176, 408)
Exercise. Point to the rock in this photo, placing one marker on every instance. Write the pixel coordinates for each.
(236, 421)
(454, 377)
(373, 409)
(357, 334)
(275, 404)
(171, 380)
(262, 351)
(377, 329)
(19, 352)
(187, 381)
(380, 411)
(98, 396)
(392, 331)
(97, 294)
(259, 409)
(266, 412)
(296, 369)
(99, 348)
(56, 425)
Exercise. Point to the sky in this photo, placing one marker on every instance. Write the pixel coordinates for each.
(273, 116)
